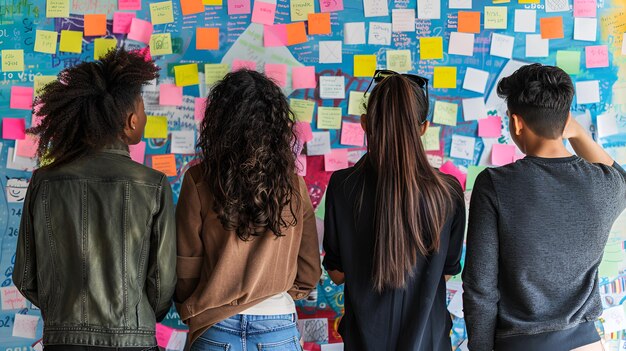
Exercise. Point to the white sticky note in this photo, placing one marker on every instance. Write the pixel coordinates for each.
(354, 33)
(11, 298)
(525, 21)
(461, 44)
(320, 145)
(474, 109)
(16, 190)
(462, 147)
(502, 45)
(537, 46)
(455, 306)
(177, 341)
(183, 142)
(614, 319)
(557, 6)
(475, 80)
(607, 124)
(429, 9)
(330, 51)
(587, 92)
(333, 87)
(25, 326)
(403, 20)
(375, 8)
(379, 34)
(460, 4)
(585, 29)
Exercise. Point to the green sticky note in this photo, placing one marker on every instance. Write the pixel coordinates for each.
(357, 103)
(161, 12)
(186, 75)
(161, 44)
(41, 81)
(215, 72)
(58, 8)
(430, 139)
(156, 127)
(300, 9)
(101, 46)
(445, 113)
(328, 117)
(444, 77)
(320, 211)
(399, 60)
(12, 60)
(46, 41)
(71, 41)
(303, 109)
(569, 61)
(496, 17)
(431, 48)
(472, 173)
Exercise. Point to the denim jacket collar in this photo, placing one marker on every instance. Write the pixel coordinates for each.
(117, 148)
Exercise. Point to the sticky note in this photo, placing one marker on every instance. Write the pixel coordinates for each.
(431, 48)
(352, 134)
(331, 5)
(490, 127)
(444, 77)
(469, 22)
(403, 20)
(71, 41)
(163, 335)
(207, 38)
(186, 75)
(319, 145)
(263, 12)
(302, 109)
(156, 127)
(133, 5)
(428, 9)
(379, 34)
(496, 17)
(450, 169)
(277, 72)
(25, 326)
(461, 44)
(357, 103)
(569, 61)
(303, 77)
(199, 107)
(161, 12)
(12, 60)
(140, 30)
(46, 41)
(585, 8)
(122, 22)
(191, 7)
(170, 95)
(301, 165)
(95, 25)
(161, 44)
(243, 64)
(300, 9)
(585, 29)
(11, 298)
(41, 81)
(462, 147)
(330, 51)
(13, 128)
(183, 142)
(536, 46)
(214, 72)
(551, 27)
(502, 45)
(165, 164)
(27, 147)
(525, 21)
(102, 46)
(332, 87)
(557, 6)
(430, 139)
(238, 7)
(21, 98)
(354, 33)
(445, 113)
(319, 23)
(337, 159)
(138, 152)
(474, 109)
(607, 125)
(597, 56)
(296, 33)
(303, 131)
(587, 92)
(375, 8)
(328, 117)
(502, 154)
(399, 60)
(364, 65)
(57, 8)
(275, 35)
(475, 80)
(472, 174)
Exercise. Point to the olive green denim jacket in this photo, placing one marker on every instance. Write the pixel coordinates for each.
(97, 250)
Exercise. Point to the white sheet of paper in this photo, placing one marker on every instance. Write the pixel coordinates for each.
(177, 341)
(183, 142)
(403, 20)
(333, 87)
(455, 306)
(320, 145)
(463, 346)
(375, 8)
(20, 163)
(525, 21)
(16, 190)
(429, 9)
(585, 29)
(614, 319)
(460, 4)
(354, 33)
(474, 109)
(330, 51)
(462, 147)
(475, 80)
(461, 44)
(502, 45)
(379, 34)
(11, 298)
(536, 46)
(588, 92)
(25, 326)
(557, 6)
(434, 161)
(607, 124)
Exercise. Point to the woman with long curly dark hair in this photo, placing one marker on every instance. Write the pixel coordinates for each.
(247, 242)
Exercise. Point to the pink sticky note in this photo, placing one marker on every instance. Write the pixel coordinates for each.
(585, 8)
(263, 12)
(140, 30)
(21, 98)
(134, 5)
(238, 7)
(331, 5)
(243, 64)
(301, 165)
(138, 152)
(163, 335)
(597, 56)
(13, 128)
(490, 127)
(35, 120)
(502, 154)
(275, 35)
(27, 147)
(303, 132)
(518, 157)
(170, 95)
(199, 107)
(303, 77)
(337, 159)
(352, 134)
(451, 169)
(145, 52)
(122, 21)
(277, 72)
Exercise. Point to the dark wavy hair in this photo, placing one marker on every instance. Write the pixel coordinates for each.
(246, 143)
(85, 109)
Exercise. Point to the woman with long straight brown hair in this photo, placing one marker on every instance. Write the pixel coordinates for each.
(394, 228)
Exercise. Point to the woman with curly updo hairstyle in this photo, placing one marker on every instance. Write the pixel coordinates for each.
(247, 240)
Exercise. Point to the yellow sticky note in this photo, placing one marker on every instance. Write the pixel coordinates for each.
(328, 117)
(501, 1)
(431, 48)
(300, 9)
(444, 77)
(102, 46)
(495, 17)
(215, 72)
(364, 65)
(529, 1)
(302, 109)
(399, 60)
(156, 127)
(41, 81)
(186, 75)
(212, 2)
(161, 44)
(12, 60)
(445, 113)
(71, 41)
(357, 103)
(57, 8)
(430, 139)
(161, 12)
(46, 41)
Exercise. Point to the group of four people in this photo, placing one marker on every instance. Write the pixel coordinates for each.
(102, 254)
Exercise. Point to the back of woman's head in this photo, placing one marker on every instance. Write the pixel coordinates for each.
(246, 141)
(86, 108)
(412, 199)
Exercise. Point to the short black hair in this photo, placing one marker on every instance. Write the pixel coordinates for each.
(86, 108)
(541, 96)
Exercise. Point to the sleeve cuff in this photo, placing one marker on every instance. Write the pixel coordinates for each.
(331, 264)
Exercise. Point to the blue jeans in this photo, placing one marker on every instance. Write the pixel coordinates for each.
(251, 333)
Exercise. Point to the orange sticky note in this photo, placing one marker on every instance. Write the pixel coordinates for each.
(95, 25)
(190, 7)
(207, 38)
(469, 22)
(551, 27)
(296, 33)
(319, 23)
(165, 164)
